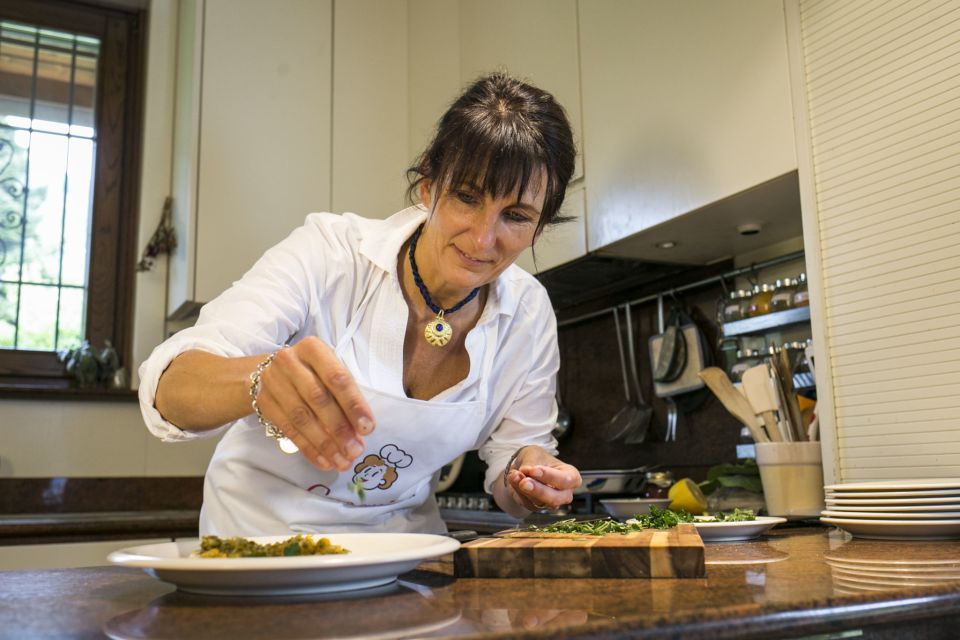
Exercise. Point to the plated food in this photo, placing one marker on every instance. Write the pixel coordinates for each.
(374, 559)
(298, 545)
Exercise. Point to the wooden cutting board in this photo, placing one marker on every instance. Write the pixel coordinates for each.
(671, 553)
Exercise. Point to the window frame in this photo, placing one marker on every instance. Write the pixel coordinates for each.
(112, 256)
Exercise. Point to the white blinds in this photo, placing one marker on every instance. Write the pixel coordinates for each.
(883, 100)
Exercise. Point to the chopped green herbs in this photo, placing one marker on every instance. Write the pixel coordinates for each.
(663, 518)
(737, 515)
(358, 489)
(656, 519)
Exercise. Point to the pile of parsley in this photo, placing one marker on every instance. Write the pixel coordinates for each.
(656, 519)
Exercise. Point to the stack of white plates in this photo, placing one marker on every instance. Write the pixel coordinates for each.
(896, 510)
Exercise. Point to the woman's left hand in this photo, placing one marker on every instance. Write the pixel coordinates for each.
(540, 481)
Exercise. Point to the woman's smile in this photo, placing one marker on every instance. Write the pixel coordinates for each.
(471, 261)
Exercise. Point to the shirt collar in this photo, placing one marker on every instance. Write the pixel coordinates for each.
(382, 245)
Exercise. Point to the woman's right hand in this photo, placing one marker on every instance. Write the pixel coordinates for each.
(312, 398)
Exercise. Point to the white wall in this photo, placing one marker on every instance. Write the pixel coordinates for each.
(97, 439)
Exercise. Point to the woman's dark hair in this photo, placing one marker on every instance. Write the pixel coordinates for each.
(497, 136)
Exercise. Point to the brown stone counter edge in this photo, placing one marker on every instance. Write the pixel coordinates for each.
(61, 509)
(23, 392)
(902, 615)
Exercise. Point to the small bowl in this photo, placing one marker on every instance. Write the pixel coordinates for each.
(626, 508)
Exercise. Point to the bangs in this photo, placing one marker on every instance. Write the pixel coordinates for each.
(500, 159)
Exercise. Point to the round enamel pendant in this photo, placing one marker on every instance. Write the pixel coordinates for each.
(438, 332)
(286, 445)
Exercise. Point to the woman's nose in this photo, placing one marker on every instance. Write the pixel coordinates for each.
(485, 231)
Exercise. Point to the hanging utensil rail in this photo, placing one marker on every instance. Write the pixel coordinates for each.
(796, 255)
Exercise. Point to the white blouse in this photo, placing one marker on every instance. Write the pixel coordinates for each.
(313, 282)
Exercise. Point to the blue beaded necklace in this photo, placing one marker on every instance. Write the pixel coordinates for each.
(438, 331)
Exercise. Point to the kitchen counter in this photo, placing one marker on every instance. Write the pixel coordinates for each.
(791, 583)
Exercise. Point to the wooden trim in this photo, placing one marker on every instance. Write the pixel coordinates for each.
(57, 14)
(116, 189)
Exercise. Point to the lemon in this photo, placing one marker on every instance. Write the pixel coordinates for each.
(686, 495)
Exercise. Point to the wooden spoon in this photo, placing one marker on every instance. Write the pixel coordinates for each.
(734, 402)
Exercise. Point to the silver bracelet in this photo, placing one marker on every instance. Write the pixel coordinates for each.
(506, 470)
(271, 430)
(510, 462)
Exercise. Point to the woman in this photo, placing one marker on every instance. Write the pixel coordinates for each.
(373, 352)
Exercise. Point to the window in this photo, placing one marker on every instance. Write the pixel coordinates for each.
(70, 94)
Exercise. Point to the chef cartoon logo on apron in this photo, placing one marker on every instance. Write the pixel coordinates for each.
(380, 471)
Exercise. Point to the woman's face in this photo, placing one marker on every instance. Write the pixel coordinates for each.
(472, 237)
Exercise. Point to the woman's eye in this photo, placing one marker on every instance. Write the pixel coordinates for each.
(516, 216)
(466, 197)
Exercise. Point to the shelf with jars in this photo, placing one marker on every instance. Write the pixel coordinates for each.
(766, 307)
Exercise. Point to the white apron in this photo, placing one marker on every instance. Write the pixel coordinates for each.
(252, 488)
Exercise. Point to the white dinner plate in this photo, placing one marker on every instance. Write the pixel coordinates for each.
(935, 493)
(904, 508)
(940, 515)
(898, 529)
(894, 501)
(898, 485)
(711, 531)
(374, 559)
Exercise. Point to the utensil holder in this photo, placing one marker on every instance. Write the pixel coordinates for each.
(792, 476)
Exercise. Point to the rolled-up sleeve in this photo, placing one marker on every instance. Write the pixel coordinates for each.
(258, 314)
(532, 414)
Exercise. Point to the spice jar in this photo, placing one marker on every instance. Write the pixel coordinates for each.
(745, 360)
(658, 484)
(744, 295)
(731, 308)
(782, 297)
(760, 302)
(801, 296)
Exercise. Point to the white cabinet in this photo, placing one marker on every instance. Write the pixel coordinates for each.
(252, 135)
(370, 108)
(684, 104)
(452, 44)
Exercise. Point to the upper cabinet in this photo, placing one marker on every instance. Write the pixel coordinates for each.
(453, 43)
(252, 136)
(370, 108)
(684, 104)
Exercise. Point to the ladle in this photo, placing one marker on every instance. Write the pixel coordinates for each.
(639, 431)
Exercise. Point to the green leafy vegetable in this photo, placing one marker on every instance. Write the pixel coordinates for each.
(358, 489)
(663, 518)
(737, 515)
(656, 519)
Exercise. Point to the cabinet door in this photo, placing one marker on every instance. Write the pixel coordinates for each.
(535, 40)
(684, 103)
(370, 108)
(264, 156)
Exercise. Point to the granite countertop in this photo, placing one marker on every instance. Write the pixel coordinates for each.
(790, 583)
